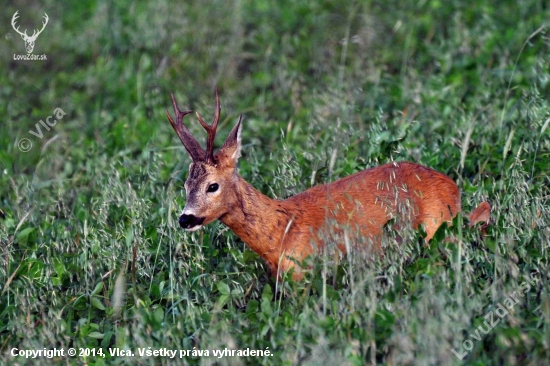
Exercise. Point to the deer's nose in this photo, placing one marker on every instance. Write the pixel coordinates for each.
(189, 221)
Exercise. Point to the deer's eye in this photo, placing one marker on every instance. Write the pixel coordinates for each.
(213, 188)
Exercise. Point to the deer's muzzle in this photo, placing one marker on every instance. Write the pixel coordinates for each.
(190, 221)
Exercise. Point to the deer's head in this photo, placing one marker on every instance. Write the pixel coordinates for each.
(29, 40)
(211, 184)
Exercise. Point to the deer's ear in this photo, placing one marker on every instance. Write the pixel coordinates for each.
(231, 149)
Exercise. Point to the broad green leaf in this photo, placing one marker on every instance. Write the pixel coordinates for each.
(97, 303)
(223, 288)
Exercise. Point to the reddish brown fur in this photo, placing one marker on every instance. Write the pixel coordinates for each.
(366, 199)
(358, 205)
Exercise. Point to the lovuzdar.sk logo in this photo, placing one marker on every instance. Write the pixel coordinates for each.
(29, 40)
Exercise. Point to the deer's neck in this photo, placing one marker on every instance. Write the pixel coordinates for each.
(258, 220)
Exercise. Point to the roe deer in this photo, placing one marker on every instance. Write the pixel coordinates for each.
(284, 231)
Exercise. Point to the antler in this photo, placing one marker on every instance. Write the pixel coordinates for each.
(34, 35)
(13, 19)
(191, 145)
(211, 130)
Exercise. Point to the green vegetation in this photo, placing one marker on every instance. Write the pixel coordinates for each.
(91, 252)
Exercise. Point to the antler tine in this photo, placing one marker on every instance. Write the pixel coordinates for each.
(13, 23)
(191, 145)
(46, 18)
(211, 129)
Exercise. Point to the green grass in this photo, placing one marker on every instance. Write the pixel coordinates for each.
(91, 252)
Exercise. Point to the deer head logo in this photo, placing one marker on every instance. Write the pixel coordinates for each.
(29, 40)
